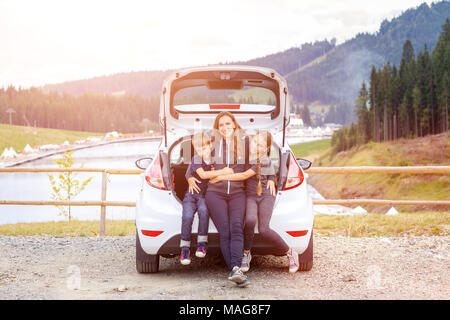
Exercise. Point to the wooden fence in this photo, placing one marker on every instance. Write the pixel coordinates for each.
(315, 170)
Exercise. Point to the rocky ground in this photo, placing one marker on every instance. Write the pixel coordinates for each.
(344, 268)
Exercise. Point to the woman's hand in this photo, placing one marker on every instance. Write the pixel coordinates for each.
(216, 179)
(192, 181)
(271, 187)
(227, 170)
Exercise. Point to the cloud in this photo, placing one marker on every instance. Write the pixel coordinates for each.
(60, 41)
(208, 41)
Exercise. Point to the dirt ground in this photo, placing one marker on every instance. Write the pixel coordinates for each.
(344, 268)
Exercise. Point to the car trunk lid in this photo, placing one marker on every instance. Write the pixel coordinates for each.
(239, 81)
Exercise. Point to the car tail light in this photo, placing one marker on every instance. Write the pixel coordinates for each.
(299, 233)
(295, 175)
(153, 175)
(151, 233)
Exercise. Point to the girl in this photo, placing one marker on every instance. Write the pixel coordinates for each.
(260, 189)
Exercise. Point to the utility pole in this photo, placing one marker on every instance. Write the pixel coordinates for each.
(146, 122)
(10, 111)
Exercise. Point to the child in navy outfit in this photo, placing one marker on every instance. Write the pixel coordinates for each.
(202, 170)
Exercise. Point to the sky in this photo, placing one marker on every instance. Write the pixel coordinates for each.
(49, 41)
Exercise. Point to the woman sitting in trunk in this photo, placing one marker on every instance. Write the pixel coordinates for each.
(226, 199)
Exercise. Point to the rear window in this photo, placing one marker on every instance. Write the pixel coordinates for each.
(239, 91)
(204, 95)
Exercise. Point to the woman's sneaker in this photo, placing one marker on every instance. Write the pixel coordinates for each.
(201, 249)
(185, 257)
(246, 258)
(243, 283)
(236, 275)
(293, 261)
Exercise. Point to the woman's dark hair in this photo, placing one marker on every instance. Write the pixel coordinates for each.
(237, 130)
(225, 113)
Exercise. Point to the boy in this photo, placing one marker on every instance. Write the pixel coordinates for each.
(201, 169)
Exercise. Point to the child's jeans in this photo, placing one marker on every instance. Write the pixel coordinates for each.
(194, 203)
(260, 209)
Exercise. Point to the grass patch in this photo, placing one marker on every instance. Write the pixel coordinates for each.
(74, 228)
(19, 136)
(426, 223)
(307, 148)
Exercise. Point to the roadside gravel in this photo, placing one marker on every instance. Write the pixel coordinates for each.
(344, 268)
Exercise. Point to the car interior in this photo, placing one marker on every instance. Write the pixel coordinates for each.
(180, 155)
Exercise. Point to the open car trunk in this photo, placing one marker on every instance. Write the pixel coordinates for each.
(180, 155)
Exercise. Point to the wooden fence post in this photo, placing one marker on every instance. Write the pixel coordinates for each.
(103, 207)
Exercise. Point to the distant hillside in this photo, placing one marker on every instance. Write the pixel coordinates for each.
(433, 150)
(319, 71)
(148, 83)
(143, 83)
(292, 59)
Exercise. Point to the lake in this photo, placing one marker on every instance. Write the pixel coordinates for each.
(32, 186)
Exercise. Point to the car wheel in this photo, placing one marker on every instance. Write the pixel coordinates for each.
(145, 263)
(306, 258)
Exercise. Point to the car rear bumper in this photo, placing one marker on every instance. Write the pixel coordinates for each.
(171, 245)
(260, 246)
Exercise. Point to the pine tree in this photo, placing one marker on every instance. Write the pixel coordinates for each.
(374, 103)
(417, 100)
(407, 79)
(306, 115)
(364, 130)
(444, 99)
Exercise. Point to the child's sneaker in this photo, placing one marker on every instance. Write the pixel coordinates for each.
(185, 257)
(246, 258)
(293, 261)
(201, 249)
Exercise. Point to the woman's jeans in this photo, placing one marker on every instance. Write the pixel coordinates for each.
(260, 208)
(194, 203)
(227, 212)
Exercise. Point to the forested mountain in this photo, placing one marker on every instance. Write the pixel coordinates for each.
(319, 71)
(411, 100)
(338, 77)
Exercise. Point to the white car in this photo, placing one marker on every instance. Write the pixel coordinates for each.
(191, 99)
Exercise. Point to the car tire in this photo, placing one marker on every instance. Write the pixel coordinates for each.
(145, 263)
(306, 258)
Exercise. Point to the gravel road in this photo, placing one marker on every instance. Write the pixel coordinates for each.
(344, 268)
